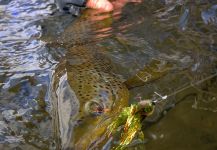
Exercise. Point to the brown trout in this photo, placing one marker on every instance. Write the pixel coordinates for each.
(88, 93)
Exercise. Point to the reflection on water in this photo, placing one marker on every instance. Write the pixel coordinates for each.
(37, 98)
(25, 71)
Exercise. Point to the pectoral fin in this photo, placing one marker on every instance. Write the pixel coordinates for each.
(153, 71)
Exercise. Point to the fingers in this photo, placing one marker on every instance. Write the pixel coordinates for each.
(103, 5)
(135, 1)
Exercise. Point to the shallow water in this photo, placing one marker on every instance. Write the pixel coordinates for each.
(25, 72)
(177, 32)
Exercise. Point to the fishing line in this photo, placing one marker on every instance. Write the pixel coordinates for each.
(158, 100)
(130, 118)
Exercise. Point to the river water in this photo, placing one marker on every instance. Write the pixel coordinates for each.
(183, 33)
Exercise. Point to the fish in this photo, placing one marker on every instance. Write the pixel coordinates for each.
(86, 92)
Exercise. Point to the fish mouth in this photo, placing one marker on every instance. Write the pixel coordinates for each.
(95, 135)
(90, 130)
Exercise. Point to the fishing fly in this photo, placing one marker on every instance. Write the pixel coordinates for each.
(130, 118)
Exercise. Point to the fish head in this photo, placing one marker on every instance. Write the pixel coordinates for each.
(94, 118)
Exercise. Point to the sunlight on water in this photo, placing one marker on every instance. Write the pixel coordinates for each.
(25, 70)
(56, 71)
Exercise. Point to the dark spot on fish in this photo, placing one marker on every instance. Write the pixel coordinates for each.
(107, 87)
(78, 122)
(107, 91)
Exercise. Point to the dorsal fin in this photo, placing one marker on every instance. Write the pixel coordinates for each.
(151, 72)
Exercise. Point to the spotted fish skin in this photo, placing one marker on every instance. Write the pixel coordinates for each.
(100, 92)
(91, 77)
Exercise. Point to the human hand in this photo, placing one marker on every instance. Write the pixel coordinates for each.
(107, 6)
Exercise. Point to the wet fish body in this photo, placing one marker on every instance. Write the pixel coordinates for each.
(98, 93)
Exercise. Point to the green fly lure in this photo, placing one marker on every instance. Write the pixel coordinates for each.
(131, 119)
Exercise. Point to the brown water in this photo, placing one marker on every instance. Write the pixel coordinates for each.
(179, 32)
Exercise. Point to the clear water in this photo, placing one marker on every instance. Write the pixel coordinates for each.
(179, 32)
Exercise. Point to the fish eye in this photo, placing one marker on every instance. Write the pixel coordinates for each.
(78, 122)
(94, 108)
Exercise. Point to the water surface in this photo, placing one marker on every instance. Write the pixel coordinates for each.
(177, 32)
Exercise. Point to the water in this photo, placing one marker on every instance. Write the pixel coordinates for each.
(177, 32)
(25, 70)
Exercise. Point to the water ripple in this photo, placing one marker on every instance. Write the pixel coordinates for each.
(25, 70)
